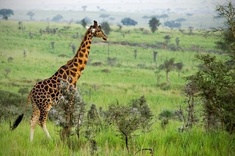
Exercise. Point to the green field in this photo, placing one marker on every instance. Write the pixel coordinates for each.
(27, 56)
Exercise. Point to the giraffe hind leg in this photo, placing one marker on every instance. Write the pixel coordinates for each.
(42, 120)
(34, 120)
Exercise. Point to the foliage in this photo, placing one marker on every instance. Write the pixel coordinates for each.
(128, 21)
(10, 104)
(83, 23)
(154, 24)
(6, 13)
(228, 32)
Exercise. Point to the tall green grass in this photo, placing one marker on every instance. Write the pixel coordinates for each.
(109, 142)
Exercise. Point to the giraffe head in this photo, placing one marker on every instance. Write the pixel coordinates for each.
(97, 31)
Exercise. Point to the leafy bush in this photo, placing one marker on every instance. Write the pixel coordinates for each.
(10, 104)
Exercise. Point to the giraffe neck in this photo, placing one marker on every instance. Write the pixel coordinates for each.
(74, 67)
(79, 61)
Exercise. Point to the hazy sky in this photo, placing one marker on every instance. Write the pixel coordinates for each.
(108, 5)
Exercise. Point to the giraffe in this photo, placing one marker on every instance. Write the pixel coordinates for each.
(47, 93)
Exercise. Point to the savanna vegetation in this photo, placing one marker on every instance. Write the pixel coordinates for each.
(169, 92)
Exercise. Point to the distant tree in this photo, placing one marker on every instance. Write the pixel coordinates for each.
(167, 39)
(120, 27)
(177, 41)
(57, 18)
(104, 16)
(168, 66)
(189, 14)
(6, 13)
(52, 44)
(83, 23)
(146, 17)
(190, 30)
(128, 21)
(111, 18)
(179, 66)
(105, 26)
(30, 14)
(73, 47)
(7, 72)
(20, 25)
(180, 20)
(153, 24)
(228, 31)
(164, 16)
(84, 7)
(172, 24)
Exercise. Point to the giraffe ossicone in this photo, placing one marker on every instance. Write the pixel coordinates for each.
(47, 93)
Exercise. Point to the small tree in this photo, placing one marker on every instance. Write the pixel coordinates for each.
(84, 7)
(30, 14)
(190, 30)
(6, 72)
(179, 66)
(168, 66)
(177, 41)
(167, 39)
(154, 24)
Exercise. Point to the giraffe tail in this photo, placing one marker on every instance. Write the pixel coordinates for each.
(17, 121)
(20, 117)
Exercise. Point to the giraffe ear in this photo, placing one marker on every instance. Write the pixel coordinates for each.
(87, 27)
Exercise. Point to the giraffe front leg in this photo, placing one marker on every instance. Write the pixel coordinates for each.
(34, 120)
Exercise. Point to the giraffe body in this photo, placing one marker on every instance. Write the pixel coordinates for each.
(47, 93)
